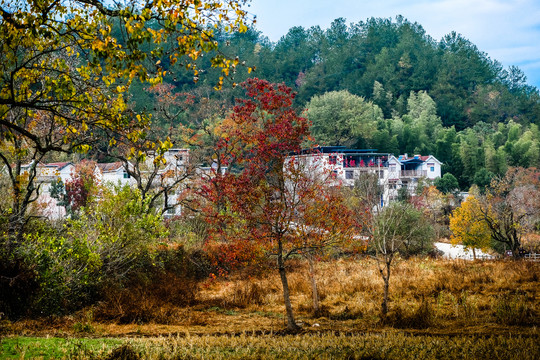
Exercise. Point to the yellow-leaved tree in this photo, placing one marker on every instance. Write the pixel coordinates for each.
(469, 227)
(66, 68)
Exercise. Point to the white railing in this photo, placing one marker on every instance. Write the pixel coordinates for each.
(532, 257)
(413, 173)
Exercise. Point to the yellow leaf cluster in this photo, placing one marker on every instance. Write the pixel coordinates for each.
(468, 225)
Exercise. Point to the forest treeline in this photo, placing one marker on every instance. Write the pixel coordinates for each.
(446, 98)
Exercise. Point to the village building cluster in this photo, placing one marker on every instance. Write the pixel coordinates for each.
(115, 173)
(343, 164)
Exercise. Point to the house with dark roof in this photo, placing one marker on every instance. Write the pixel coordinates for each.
(114, 173)
(346, 165)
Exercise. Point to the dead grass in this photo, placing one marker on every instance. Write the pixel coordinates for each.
(426, 296)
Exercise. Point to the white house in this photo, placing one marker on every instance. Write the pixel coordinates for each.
(175, 169)
(345, 165)
(407, 171)
(114, 173)
(110, 173)
(46, 175)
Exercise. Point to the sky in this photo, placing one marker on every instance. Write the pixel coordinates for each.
(507, 30)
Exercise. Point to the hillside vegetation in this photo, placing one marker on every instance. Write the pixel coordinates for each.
(442, 97)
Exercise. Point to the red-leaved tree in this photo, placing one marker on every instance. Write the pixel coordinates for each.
(260, 196)
(82, 186)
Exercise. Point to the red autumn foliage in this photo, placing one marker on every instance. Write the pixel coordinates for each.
(82, 185)
(260, 200)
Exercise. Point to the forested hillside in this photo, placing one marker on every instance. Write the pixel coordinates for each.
(410, 93)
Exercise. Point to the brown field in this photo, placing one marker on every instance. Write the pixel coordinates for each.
(429, 299)
(426, 295)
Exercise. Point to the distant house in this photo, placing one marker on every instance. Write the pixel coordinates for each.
(175, 169)
(46, 175)
(346, 165)
(114, 173)
(409, 170)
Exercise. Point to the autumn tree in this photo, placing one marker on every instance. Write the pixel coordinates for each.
(67, 67)
(61, 57)
(264, 196)
(156, 169)
(468, 226)
(82, 188)
(511, 207)
(322, 219)
(21, 160)
(437, 207)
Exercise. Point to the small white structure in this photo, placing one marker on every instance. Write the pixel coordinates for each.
(459, 252)
(177, 161)
(47, 174)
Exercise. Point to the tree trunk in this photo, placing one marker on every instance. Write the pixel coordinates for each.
(291, 324)
(386, 278)
(474, 253)
(516, 245)
(314, 290)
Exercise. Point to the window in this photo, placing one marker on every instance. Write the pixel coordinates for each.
(126, 175)
(432, 168)
(349, 174)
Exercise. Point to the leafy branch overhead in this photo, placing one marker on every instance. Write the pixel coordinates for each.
(73, 62)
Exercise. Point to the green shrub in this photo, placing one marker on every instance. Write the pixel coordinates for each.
(122, 228)
(107, 243)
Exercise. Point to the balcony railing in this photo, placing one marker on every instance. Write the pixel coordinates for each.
(413, 173)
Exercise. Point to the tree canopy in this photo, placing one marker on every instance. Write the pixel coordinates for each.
(66, 69)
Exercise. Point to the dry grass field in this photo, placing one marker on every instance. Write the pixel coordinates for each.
(438, 309)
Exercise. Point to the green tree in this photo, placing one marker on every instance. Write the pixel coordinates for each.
(471, 154)
(483, 178)
(340, 118)
(447, 184)
(398, 229)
